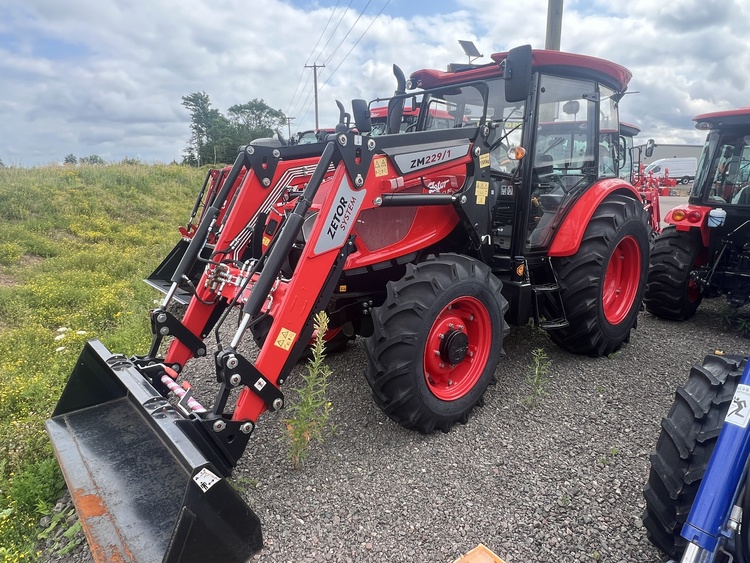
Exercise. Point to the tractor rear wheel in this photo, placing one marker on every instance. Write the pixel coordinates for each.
(602, 284)
(670, 293)
(687, 439)
(436, 343)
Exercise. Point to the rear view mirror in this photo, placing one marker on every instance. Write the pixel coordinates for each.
(649, 148)
(361, 114)
(517, 74)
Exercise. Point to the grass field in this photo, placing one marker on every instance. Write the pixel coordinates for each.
(75, 243)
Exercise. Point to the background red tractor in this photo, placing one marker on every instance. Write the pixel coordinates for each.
(426, 243)
(704, 250)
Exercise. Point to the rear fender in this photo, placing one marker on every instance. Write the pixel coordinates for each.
(696, 217)
(570, 233)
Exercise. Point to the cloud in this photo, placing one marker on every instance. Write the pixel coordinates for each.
(106, 77)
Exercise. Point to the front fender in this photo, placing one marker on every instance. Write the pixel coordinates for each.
(570, 233)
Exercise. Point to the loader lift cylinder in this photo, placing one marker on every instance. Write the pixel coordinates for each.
(288, 235)
(198, 240)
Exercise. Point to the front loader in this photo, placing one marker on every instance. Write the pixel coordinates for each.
(427, 244)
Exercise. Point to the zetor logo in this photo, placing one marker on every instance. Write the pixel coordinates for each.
(342, 216)
(437, 187)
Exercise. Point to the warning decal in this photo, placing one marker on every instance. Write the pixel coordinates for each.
(484, 160)
(739, 410)
(381, 166)
(482, 191)
(205, 479)
(285, 339)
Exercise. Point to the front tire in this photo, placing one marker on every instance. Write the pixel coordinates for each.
(686, 442)
(436, 343)
(670, 293)
(602, 284)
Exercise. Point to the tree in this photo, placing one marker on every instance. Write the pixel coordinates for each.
(257, 118)
(2, 164)
(94, 160)
(201, 117)
(216, 138)
(70, 159)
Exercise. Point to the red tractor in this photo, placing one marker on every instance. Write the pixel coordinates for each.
(705, 250)
(426, 243)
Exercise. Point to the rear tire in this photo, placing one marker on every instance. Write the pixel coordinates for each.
(602, 285)
(685, 180)
(436, 343)
(686, 442)
(670, 293)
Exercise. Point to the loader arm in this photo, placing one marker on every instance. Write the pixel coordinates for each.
(257, 194)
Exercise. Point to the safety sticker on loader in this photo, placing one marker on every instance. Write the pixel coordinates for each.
(205, 479)
(482, 191)
(484, 160)
(739, 410)
(285, 339)
(381, 166)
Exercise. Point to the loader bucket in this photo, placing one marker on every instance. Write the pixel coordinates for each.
(143, 490)
(161, 277)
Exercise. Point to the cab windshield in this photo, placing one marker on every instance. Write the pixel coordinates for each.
(464, 106)
(729, 171)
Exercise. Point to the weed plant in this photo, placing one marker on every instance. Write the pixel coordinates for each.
(308, 418)
(537, 377)
(75, 244)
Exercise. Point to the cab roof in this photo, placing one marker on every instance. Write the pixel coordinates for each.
(629, 130)
(739, 116)
(554, 62)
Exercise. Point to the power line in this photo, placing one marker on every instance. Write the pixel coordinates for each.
(302, 73)
(304, 89)
(356, 43)
(306, 104)
(348, 32)
(335, 28)
(322, 33)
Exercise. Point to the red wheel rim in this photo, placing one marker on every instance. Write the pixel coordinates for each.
(621, 280)
(457, 348)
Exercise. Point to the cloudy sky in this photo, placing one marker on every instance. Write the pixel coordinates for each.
(106, 77)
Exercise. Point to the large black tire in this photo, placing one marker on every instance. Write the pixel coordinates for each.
(602, 284)
(436, 343)
(670, 293)
(687, 439)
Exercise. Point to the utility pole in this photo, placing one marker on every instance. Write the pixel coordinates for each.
(554, 25)
(289, 125)
(315, 68)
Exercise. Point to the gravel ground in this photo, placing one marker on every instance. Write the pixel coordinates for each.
(558, 481)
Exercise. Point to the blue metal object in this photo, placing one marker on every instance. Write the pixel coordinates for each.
(708, 520)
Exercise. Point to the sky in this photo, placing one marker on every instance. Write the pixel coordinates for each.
(107, 77)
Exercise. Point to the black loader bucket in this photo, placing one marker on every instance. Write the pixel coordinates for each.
(161, 277)
(143, 489)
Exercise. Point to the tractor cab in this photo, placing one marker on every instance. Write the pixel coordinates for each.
(719, 201)
(723, 175)
(546, 147)
(705, 250)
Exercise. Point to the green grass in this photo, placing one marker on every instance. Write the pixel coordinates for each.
(75, 244)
